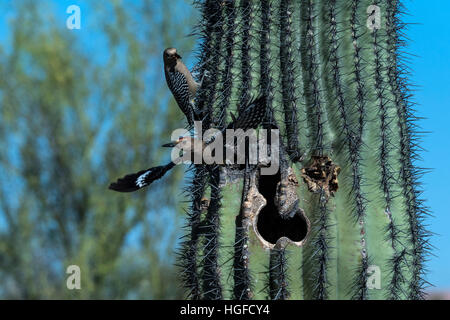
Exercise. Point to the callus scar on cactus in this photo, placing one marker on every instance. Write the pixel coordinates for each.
(322, 174)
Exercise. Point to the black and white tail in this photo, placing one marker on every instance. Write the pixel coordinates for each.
(135, 181)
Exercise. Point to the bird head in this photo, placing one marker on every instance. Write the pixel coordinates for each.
(180, 143)
(171, 56)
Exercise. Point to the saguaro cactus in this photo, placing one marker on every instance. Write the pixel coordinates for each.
(336, 88)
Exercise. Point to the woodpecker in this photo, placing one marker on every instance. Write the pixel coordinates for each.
(135, 181)
(250, 117)
(181, 83)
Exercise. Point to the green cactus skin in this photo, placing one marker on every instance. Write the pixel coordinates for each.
(335, 89)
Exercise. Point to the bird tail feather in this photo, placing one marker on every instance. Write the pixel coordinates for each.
(135, 181)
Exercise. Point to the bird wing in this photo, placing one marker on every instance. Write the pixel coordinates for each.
(135, 181)
(179, 87)
(251, 115)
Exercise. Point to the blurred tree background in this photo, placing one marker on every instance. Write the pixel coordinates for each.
(78, 109)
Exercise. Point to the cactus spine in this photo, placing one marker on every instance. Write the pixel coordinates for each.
(337, 90)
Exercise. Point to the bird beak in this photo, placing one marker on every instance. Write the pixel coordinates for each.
(169, 145)
(178, 56)
(172, 144)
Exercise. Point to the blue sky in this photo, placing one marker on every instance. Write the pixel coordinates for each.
(430, 72)
(430, 67)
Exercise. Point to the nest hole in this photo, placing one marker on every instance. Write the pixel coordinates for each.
(271, 225)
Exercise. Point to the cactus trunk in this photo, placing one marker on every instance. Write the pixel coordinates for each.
(336, 89)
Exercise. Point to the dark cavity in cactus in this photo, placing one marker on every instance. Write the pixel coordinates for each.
(344, 208)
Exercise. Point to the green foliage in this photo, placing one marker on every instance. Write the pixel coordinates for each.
(72, 119)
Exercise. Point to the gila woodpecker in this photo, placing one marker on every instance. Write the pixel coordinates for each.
(250, 117)
(135, 181)
(181, 83)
